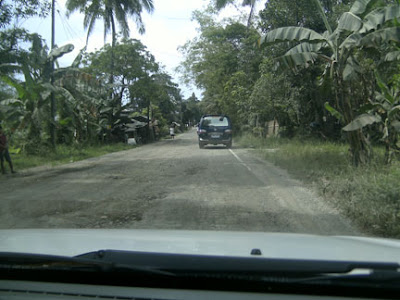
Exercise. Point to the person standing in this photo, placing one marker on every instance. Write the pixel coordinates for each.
(4, 154)
(172, 130)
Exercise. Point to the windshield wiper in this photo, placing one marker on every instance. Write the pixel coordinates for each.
(39, 262)
(260, 265)
(290, 270)
(362, 275)
(129, 268)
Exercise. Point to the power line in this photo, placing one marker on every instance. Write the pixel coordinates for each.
(68, 29)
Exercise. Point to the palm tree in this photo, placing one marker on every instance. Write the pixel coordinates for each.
(111, 11)
(362, 27)
(220, 4)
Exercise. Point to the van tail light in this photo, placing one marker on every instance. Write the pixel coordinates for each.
(202, 131)
(228, 131)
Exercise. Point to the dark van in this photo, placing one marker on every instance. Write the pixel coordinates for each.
(215, 129)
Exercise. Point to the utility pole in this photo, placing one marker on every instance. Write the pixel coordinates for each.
(53, 100)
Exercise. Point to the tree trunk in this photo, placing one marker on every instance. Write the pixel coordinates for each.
(360, 149)
(149, 132)
(250, 19)
(53, 108)
(111, 80)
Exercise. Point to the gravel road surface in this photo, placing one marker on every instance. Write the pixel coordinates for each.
(171, 184)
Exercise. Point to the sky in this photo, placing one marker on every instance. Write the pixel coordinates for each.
(167, 28)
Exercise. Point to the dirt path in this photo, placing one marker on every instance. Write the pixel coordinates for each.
(171, 184)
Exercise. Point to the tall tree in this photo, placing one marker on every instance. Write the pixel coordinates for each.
(21, 9)
(111, 11)
(132, 64)
(191, 112)
(220, 4)
(217, 55)
(281, 13)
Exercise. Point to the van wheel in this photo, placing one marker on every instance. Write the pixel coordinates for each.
(229, 145)
(201, 145)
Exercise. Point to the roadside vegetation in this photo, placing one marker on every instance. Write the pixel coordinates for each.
(63, 154)
(328, 64)
(45, 107)
(368, 194)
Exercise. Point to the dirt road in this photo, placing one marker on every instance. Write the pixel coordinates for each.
(171, 184)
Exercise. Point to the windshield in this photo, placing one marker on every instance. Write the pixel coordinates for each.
(234, 123)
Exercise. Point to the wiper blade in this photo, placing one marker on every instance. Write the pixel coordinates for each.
(186, 262)
(183, 264)
(39, 262)
(370, 276)
(290, 270)
(113, 267)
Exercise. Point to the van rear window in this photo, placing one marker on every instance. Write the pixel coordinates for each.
(215, 121)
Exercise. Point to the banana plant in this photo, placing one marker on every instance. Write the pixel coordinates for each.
(352, 32)
(29, 111)
(366, 25)
(83, 100)
(384, 109)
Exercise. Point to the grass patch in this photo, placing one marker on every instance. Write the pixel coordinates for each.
(369, 195)
(64, 154)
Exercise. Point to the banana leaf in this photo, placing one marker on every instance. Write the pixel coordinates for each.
(379, 17)
(334, 112)
(361, 6)
(362, 121)
(290, 34)
(349, 22)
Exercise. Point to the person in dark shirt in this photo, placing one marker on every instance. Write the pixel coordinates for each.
(4, 154)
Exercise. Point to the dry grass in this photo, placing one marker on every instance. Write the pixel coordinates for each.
(369, 195)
